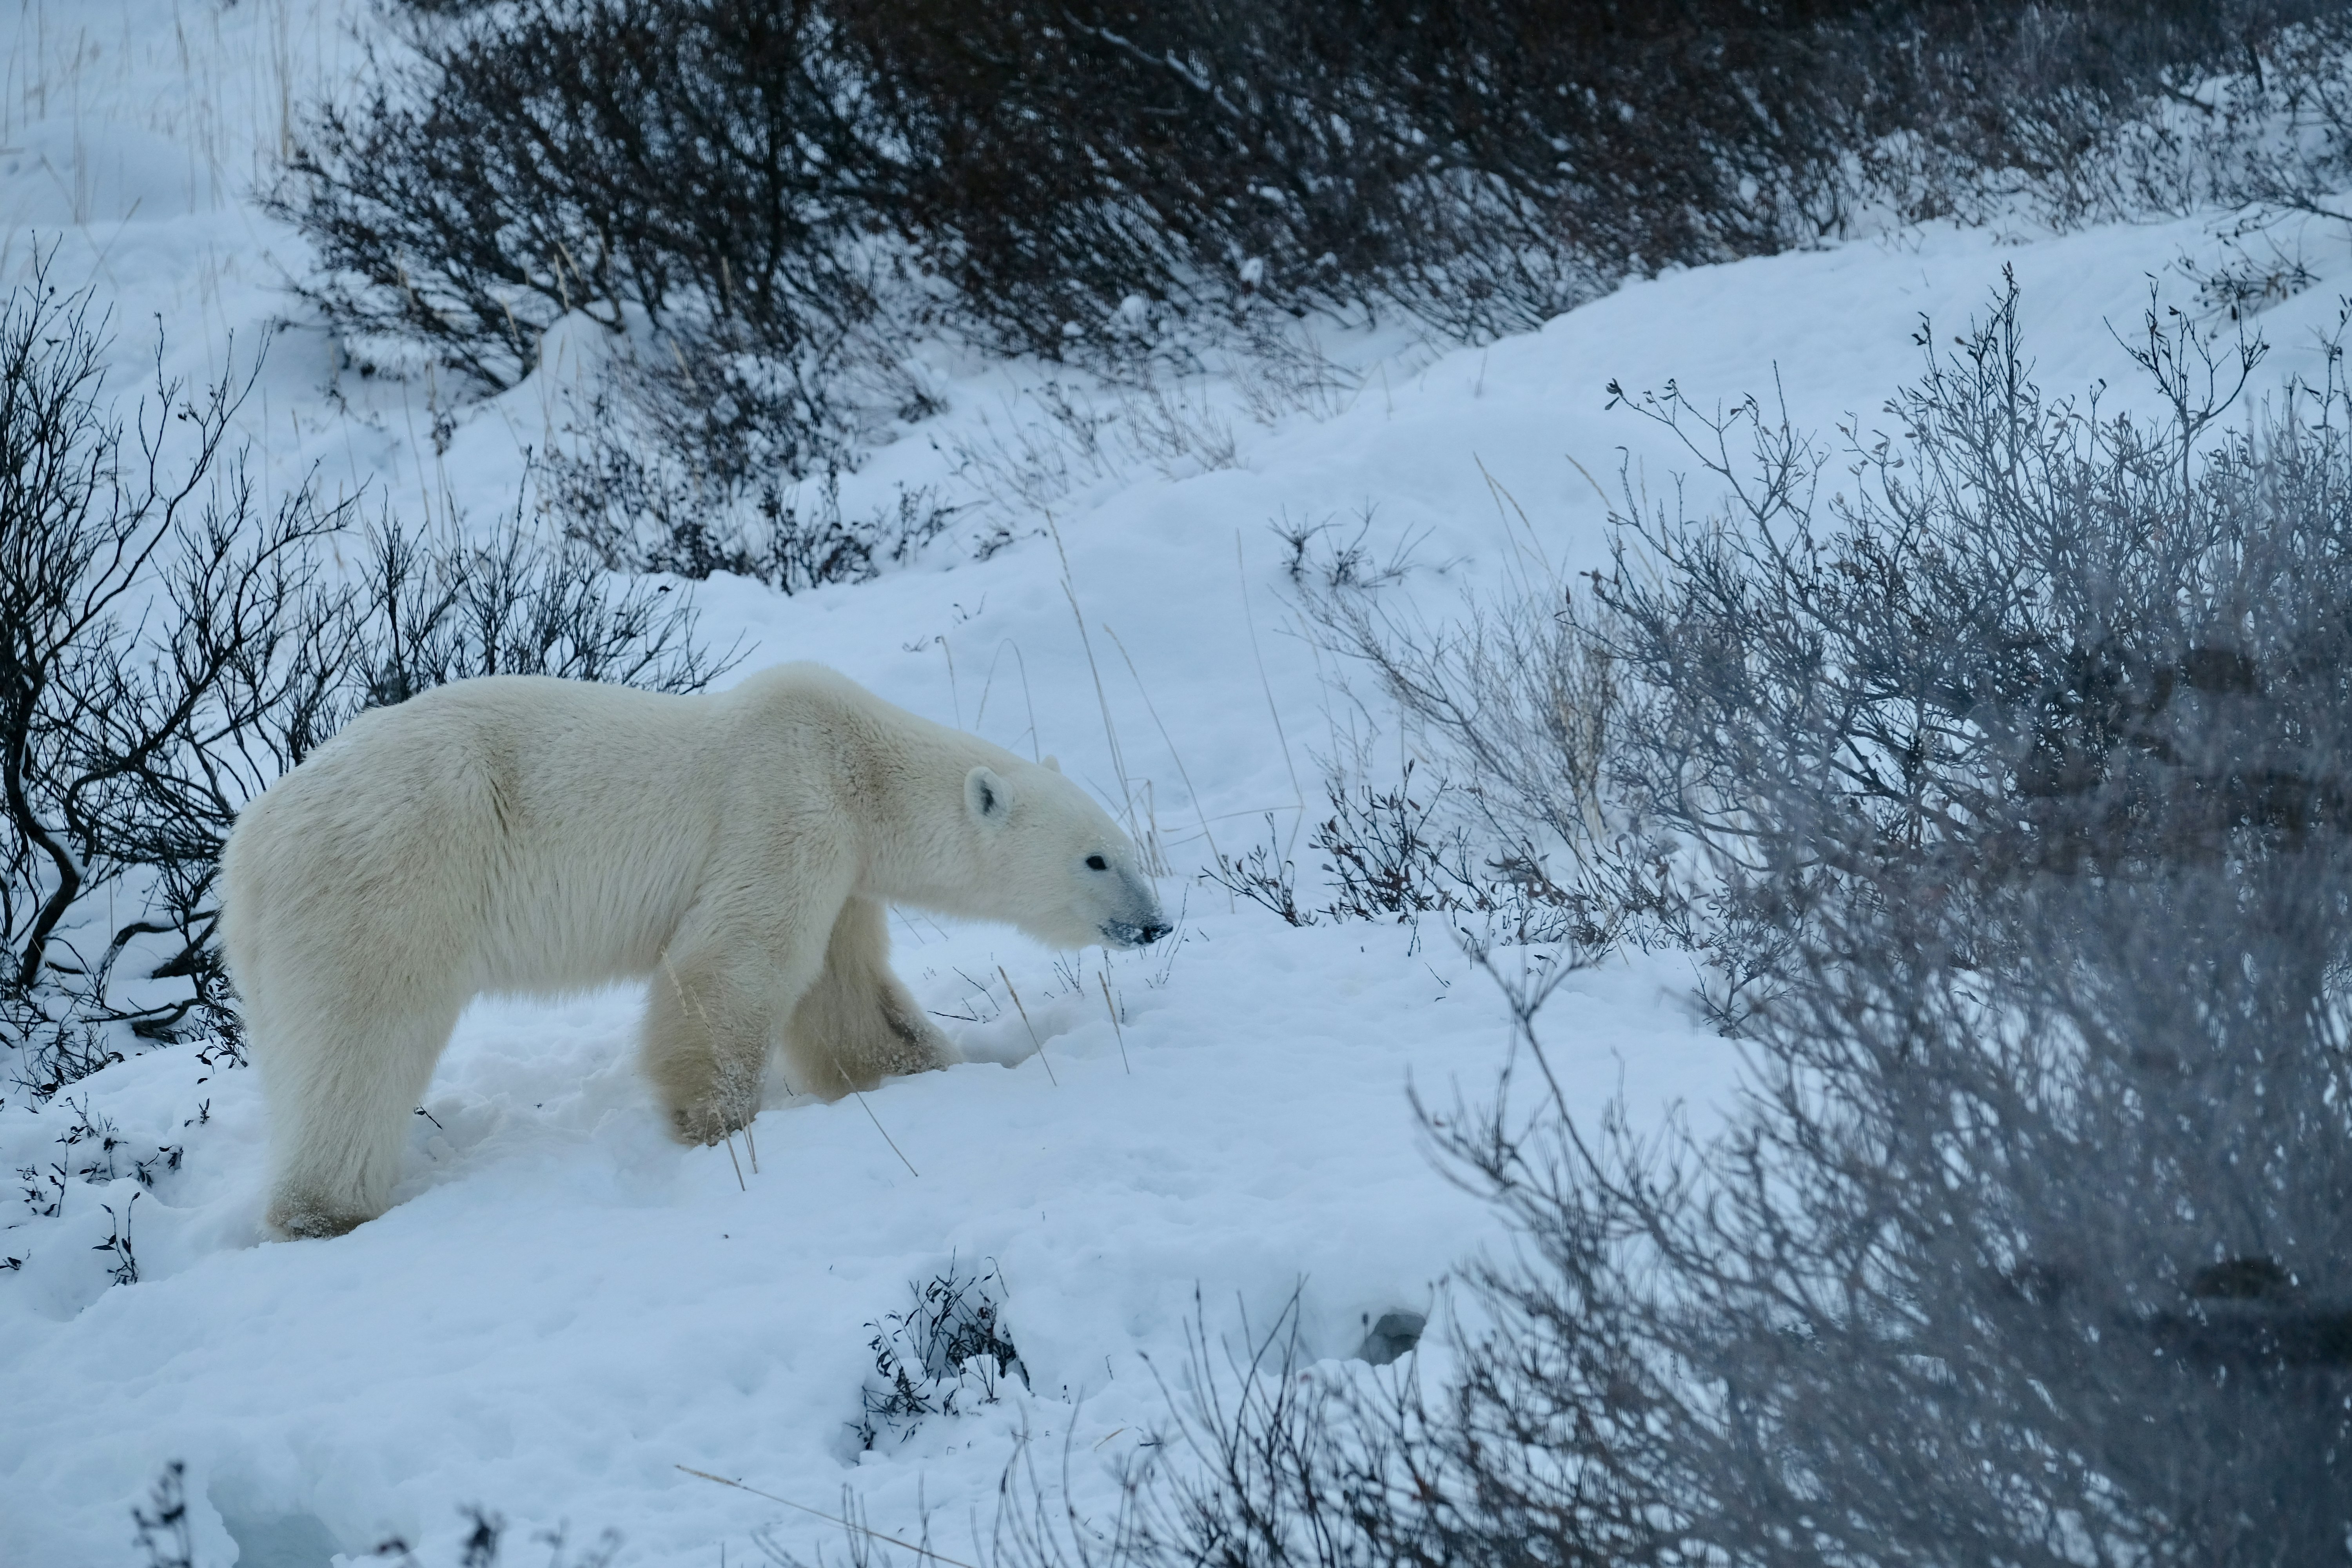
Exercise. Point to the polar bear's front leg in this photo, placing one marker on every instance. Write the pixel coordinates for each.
(713, 1006)
(857, 1024)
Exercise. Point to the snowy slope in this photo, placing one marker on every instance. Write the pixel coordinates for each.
(565, 1306)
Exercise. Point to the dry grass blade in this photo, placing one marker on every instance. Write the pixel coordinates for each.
(1249, 619)
(1034, 1040)
(1121, 1032)
(885, 1136)
(829, 1519)
(1199, 810)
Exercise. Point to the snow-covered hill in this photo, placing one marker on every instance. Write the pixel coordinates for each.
(565, 1306)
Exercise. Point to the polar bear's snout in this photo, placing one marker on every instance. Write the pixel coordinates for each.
(1133, 934)
(1041, 833)
(1136, 920)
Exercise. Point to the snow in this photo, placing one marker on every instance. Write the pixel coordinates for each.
(564, 1306)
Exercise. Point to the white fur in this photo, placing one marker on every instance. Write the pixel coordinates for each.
(519, 834)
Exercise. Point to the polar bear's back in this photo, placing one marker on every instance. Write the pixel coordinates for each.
(507, 833)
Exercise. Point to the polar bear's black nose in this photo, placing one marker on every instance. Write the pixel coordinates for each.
(1131, 934)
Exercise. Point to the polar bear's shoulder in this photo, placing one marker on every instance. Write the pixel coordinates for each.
(804, 678)
(810, 699)
(820, 693)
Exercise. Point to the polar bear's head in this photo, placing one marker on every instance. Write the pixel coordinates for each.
(1060, 868)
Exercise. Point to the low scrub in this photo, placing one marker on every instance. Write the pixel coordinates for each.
(767, 203)
(945, 1354)
(2006, 794)
(169, 644)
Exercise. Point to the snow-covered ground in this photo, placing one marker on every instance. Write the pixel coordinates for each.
(565, 1306)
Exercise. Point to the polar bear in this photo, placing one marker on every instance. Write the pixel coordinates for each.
(736, 850)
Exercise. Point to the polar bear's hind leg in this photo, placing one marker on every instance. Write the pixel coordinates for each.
(341, 1099)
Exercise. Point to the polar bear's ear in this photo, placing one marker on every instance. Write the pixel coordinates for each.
(1051, 763)
(986, 796)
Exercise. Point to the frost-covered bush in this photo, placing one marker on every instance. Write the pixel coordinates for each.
(2017, 775)
(945, 1356)
(2021, 604)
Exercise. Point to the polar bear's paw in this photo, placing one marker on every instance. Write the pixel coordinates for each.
(712, 1120)
(300, 1217)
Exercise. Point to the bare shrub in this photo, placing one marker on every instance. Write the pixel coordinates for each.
(1516, 838)
(945, 1352)
(1266, 876)
(1518, 694)
(2039, 754)
(487, 1533)
(2067, 114)
(1991, 623)
(2029, 1259)
(164, 1532)
(638, 508)
(701, 178)
(514, 163)
(432, 607)
(2028, 1237)
(696, 453)
(785, 192)
(168, 1538)
(2273, 139)
(163, 650)
(1326, 559)
(1491, 166)
(1402, 853)
(168, 648)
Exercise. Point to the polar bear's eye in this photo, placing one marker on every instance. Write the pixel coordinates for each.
(1097, 863)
